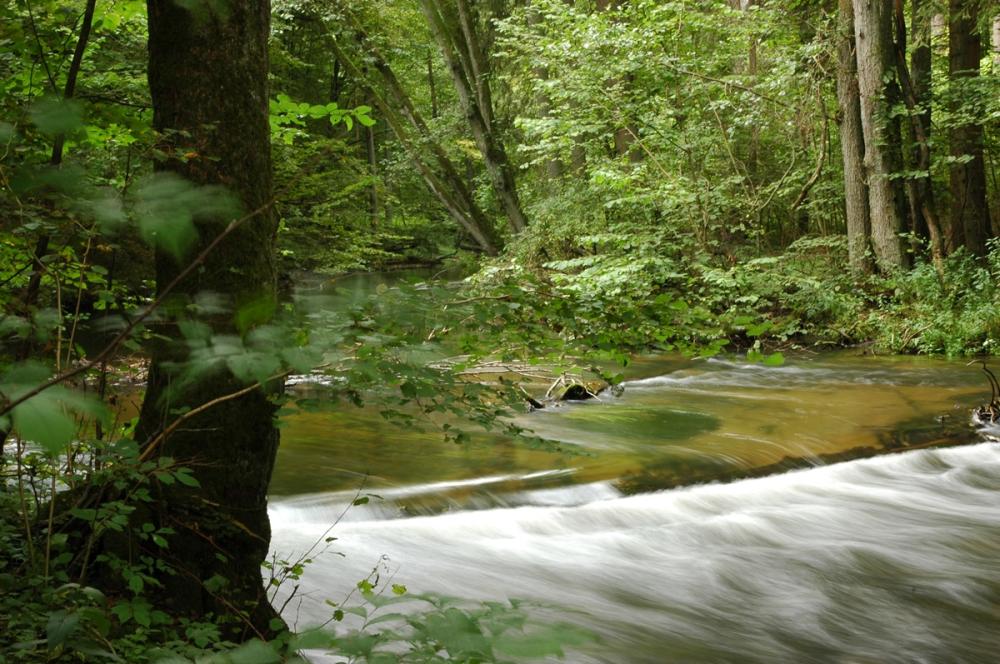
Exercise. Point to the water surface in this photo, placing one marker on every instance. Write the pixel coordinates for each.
(888, 559)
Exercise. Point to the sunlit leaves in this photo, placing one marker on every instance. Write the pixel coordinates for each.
(289, 119)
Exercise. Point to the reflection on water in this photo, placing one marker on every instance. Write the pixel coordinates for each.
(676, 416)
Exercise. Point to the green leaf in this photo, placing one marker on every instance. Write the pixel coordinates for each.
(254, 652)
(42, 419)
(60, 627)
(311, 639)
(184, 476)
(55, 115)
(774, 360)
(84, 514)
(167, 206)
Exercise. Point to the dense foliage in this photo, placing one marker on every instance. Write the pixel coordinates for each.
(677, 165)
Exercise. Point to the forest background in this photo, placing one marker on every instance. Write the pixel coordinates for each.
(616, 176)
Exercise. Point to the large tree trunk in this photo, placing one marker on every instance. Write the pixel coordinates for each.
(874, 49)
(455, 33)
(208, 81)
(852, 144)
(970, 217)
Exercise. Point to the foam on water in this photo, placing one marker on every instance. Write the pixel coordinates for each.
(890, 559)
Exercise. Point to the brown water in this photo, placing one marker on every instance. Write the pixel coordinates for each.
(887, 559)
(676, 417)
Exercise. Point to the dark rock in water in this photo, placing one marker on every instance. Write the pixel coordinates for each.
(580, 391)
(988, 414)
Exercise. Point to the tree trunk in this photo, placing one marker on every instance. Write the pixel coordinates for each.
(920, 77)
(874, 56)
(372, 154)
(920, 188)
(30, 296)
(995, 43)
(852, 145)
(208, 83)
(554, 165)
(451, 192)
(970, 217)
(462, 52)
(431, 85)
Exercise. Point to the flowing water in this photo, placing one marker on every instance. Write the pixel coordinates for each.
(892, 558)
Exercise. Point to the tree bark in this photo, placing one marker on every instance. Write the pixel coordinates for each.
(920, 188)
(467, 64)
(554, 165)
(852, 145)
(875, 62)
(208, 83)
(451, 192)
(920, 77)
(30, 296)
(431, 85)
(372, 153)
(970, 217)
(995, 43)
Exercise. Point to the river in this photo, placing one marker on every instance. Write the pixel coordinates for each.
(893, 558)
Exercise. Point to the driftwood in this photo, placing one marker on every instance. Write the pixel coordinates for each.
(541, 386)
(990, 413)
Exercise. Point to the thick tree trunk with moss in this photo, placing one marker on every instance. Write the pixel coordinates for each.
(970, 217)
(852, 144)
(875, 62)
(208, 80)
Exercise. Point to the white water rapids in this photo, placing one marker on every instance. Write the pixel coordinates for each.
(889, 559)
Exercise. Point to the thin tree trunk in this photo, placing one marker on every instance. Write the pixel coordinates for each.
(970, 217)
(30, 296)
(472, 93)
(919, 94)
(208, 83)
(431, 84)
(920, 189)
(452, 192)
(336, 81)
(753, 151)
(995, 42)
(875, 62)
(852, 144)
(478, 67)
(554, 165)
(372, 154)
